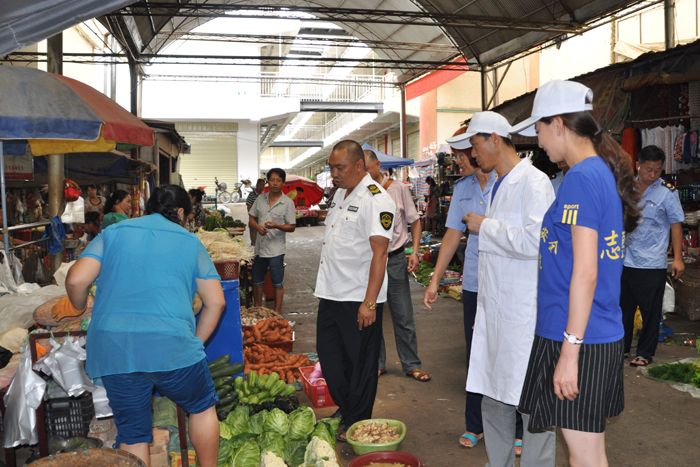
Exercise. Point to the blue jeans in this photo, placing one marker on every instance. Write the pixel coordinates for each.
(276, 265)
(399, 301)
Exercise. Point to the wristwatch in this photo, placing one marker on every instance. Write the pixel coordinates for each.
(371, 306)
(571, 339)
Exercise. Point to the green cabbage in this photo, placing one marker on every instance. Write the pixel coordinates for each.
(333, 425)
(294, 451)
(248, 455)
(239, 420)
(226, 451)
(257, 422)
(321, 431)
(271, 441)
(225, 431)
(301, 423)
(278, 421)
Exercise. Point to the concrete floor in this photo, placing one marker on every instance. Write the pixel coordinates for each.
(659, 427)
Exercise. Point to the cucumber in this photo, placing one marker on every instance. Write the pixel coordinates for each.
(253, 379)
(223, 391)
(228, 399)
(217, 361)
(223, 381)
(229, 370)
(238, 382)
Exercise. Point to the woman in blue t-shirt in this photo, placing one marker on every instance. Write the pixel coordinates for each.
(574, 377)
(143, 336)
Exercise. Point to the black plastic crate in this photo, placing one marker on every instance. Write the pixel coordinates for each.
(69, 416)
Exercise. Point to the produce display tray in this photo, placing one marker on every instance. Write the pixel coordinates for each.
(318, 394)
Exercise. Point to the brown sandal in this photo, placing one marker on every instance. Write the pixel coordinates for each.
(419, 375)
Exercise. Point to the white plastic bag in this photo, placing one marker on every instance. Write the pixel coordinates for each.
(21, 401)
(61, 274)
(101, 402)
(669, 303)
(66, 364)
(74, 213)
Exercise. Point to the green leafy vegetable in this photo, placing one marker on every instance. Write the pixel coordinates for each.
(333, 424)
(225, 431)
(301, 423)
(294, 451)
(257, 422)
(321, 431)
(239, 420)
(248, 455)
(277, 421)
(271, 441)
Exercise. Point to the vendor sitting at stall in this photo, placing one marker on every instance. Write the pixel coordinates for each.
(117, 208)
(143, 336)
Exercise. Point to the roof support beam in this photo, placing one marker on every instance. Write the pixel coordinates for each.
(296, 144)
(350, 107)
(350, 15)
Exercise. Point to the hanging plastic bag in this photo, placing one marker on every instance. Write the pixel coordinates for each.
(101, 402)
(71, 190)
(66, 364)
(21, 401)
(74, 212)
(7, 279)
(16, 267)
(669, 303)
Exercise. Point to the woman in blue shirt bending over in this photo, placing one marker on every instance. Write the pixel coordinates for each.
(143, 337)
(574, 377)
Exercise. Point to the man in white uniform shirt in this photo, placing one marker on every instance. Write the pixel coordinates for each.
(352, 284)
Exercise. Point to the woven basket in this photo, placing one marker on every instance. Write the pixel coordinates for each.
(91, 457)
(228, 270)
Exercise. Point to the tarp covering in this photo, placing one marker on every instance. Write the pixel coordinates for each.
(24, 22)
(387, 161)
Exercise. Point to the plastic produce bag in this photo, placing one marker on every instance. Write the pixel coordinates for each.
(669, 303)
(101, 402)
(7, 278)
(65, 363)
(74, 213)
(21, 401)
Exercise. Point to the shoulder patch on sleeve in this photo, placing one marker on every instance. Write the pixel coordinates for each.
(374, 189)
(670, 186)
(386, 219)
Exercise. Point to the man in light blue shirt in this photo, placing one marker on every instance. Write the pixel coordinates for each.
(646, 264)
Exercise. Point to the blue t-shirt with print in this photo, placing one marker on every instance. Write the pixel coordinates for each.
(469, 197)
(587, 197)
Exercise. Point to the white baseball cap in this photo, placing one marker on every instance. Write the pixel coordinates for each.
(481, 122)
(555, 98)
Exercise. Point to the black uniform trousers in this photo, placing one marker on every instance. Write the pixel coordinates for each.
(349, 357)
(643, 288)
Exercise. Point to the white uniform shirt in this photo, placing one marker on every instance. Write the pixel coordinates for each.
(346, 254)
(506, 313)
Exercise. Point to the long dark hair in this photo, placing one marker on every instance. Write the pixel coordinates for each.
(166, 200)
(585, 125)
(115, 198)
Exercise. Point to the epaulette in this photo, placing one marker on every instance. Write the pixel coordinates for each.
(374, 189)
(670, 186)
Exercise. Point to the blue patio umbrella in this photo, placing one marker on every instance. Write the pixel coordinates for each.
(387, 161)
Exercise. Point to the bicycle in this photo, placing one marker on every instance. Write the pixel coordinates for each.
(221, 195)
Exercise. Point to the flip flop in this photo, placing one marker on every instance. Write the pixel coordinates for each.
(419, 375)
(639, 361)
(518, 447)
(471, 438)
(380, 373)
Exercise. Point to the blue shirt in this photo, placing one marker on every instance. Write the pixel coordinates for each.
(469, 197)
(142, 320)
(648, 243)
(587, 197)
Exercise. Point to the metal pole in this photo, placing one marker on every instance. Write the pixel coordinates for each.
(670, 23)
(484, 100)
(56, 176)
(402, 124)
(3, 195)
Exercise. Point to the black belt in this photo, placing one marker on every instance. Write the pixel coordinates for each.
(395, 252)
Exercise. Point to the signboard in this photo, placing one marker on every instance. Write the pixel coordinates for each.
(19, 167)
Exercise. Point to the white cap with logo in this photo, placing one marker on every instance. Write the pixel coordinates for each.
(481, 122)
(555, 98)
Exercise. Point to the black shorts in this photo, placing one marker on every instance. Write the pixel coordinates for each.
(601, 393)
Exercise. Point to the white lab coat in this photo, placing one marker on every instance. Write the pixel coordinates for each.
(507, 302)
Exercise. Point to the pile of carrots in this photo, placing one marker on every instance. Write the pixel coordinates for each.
(265, 360)
(270, 331)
